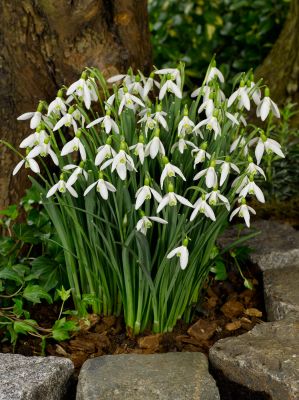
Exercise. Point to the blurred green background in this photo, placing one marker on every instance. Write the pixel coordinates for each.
(240, 32)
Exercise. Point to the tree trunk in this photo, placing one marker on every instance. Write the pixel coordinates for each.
(45, 44)
(280, 70)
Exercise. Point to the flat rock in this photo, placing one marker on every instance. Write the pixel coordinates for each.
(265, 359)
(169, 376)
(33, 378)
(277, 246)
(281, 292)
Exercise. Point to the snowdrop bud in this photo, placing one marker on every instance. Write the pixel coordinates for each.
(186, 111)
(84, 75)
(61, 177)
(152, 75)
(109, 140)
(78, 133)
(185, 242)
(242, 201)
(141, 139)
(108, 111)
(267, 92)
(159, 108)
(71, 110)
(204, 145)
(125, 221)
(47, 140)
(157, 132)
(60, 93)
(242, 83)
(28, 149)
(250, 159)
(40, 106)
(213, 163)
(39, 128)
(125, 89)
(146, 181)
(123, 146)
(165, 160)
(170, 187)
(215, 113)
(82, 163)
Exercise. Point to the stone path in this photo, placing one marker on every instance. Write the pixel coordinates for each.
(169, 376)
(33, 378)
(267, 358)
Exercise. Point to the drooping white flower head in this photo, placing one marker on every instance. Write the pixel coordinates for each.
(253, 169)
(35, 116)
(74, 145)
(145, 223)
(43, 150)
(155, 146)
(107, 122)
(35, 139)
(78, 170)
(145, 193)
(29, 163)
(62, 187)
(210, 174)
(208, 106)
(266, 144)
(172, 74)
(67, 120)
(171, 199)
(243, 212)
(182, 145)
(103, 187)
(181, 252)
(121, 162)
(241, 96)
(185, 125)
(139, 149)
(267, 105)
(213, 72)
(201, 206)
(215, 197)
(252, 188)
(201, 154)
(149, 84)
(225, 168)
(169, 171)
(104, 152)
(130, 101)
(211, 123)
(82, 90)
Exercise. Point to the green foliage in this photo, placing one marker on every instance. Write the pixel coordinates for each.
(239, 32)
(283, 173)
(26, 278)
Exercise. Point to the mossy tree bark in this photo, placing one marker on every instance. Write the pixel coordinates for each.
(280, 69)
(44, 44)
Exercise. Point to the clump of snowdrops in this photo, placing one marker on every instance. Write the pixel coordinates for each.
(140, 182)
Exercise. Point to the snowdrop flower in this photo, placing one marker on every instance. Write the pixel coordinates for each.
(121, 162)
(232, 118)
(67, 120)
(62, 187)
(241, 95)
(172, 73)
(43, 150)
(78, 170)
(172, 199)
(266, 144)
(252, 188)
(155, 146)
(159, 117)
(208, 106)
(241, 143)
(181, 252)
(211, 123)
(104, 152)
(210, 173)
(254, 91)
(139, 149)
(35, 138)
(57, 106)
(127, 79)
(149, 84)
(81, 89)
(243, 211)
(203, 207)
(74, 145)
(144, 223)
(136, 87)
(107, 123)
(150, 123)
(129, 100)
(145, 193)
(182, 145)
(267, 105)
(185, 125)
(29, 163)
(102, 186)
(253, 169)
(215, 196)
(35, 117)
(201, 154)
(170, 86)
(225, 168)
(170, 170)
(214, 72)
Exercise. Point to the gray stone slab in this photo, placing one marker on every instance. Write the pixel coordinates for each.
(170, 376)
(276, 247)
(281, 292)
(33, 378)
(265, 359)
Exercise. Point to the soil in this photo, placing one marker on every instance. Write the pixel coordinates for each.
(227, 309)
